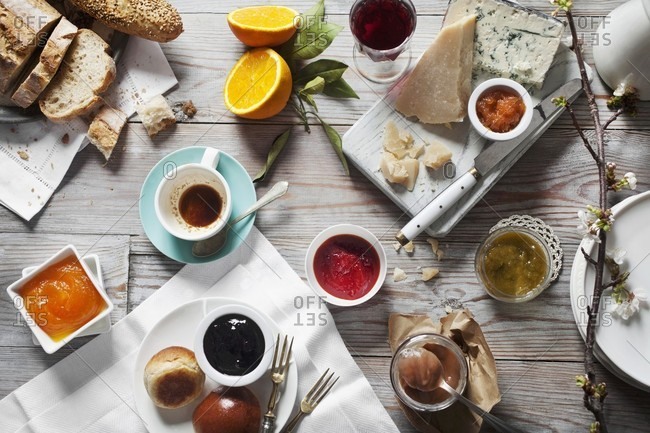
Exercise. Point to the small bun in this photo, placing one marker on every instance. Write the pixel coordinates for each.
(228, 410)
(173, 378)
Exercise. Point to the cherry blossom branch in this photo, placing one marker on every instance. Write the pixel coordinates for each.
(613, 117)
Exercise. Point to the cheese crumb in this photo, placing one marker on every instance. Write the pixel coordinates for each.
(410, 247)
(434, 244)
(429, 273)
(440, 254)
(397, 246)
(436, 155)
(399, 275)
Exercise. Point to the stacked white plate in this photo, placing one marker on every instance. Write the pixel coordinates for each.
(622, 346)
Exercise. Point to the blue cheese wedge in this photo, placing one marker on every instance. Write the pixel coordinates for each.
(511, 41)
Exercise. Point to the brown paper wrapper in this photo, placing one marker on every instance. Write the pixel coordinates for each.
(482, 387)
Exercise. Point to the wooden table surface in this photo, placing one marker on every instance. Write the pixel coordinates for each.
(537, 345)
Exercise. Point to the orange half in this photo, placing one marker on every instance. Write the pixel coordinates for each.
(263, 26)
(259, 85)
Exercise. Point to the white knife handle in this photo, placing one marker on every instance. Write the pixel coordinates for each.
(437, 207)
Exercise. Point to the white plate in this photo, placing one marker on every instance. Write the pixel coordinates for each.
(177, 329)
(623, 345)
(363, 144)
(104, 325)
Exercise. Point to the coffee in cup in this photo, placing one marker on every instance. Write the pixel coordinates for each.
(193, 202)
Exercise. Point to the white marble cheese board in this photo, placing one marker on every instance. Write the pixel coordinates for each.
(363, 142)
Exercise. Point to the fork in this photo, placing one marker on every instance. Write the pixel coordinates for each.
(312, 399)
(278, 373)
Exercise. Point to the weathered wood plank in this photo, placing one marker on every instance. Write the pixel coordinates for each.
(19, 250)
(552, 180)
(536, 397)
(343, 6)
(202, 69)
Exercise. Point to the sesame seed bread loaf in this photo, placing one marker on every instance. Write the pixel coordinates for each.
(48, 64)
(24, 25)
(105, 129)
(86, 73)
(156, 20)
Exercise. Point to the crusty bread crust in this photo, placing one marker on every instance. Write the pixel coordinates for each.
(156, 20)
(49, 62)
(173, 378)
(17, 43)
(87, 72)
(105, 129)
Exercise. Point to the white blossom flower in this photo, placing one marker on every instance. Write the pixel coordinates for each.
(617, 255)
(631, 180)
(627, 308)
(640, 294)
(587, 228)
(624, 87)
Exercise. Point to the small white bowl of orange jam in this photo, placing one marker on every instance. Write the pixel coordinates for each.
(60, 299)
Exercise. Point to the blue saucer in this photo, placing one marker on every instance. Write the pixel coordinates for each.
(243, 196)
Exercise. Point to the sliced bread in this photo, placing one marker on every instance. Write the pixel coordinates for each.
(86, 73)
(49, 62)
(17, 43)
(37, 15)
(105, 129)
(24, 27)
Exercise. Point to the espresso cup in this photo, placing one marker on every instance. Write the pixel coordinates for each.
(193, 201)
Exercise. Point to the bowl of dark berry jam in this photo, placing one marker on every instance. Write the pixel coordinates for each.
(345, 265)
(233, 344)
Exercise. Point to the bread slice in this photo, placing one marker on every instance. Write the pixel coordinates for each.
(438, 89)
(24, 26)
(105, 129)
(49, 62)
(156, 20)
(86, 73)
(37, 15)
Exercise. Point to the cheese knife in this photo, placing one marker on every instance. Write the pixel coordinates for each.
(544, 112)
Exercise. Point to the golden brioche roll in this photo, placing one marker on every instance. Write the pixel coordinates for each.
(173, 378)
(228, 410)
(156, 20)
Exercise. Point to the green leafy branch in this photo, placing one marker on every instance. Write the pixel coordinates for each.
(321, 77)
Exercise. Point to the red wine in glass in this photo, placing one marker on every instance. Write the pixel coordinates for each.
(382, 24)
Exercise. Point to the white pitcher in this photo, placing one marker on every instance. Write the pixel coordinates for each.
(622, 52)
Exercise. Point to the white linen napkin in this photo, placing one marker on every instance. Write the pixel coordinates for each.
(92, 389)
(35, 156)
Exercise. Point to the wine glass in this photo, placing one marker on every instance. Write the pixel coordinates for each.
(382, 30)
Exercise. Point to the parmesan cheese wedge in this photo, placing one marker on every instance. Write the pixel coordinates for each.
(438, 89)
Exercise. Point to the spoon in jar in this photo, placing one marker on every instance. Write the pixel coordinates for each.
(437, 377)
(213, 245)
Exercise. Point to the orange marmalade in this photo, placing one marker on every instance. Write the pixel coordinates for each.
(500, 110)
(61, 298)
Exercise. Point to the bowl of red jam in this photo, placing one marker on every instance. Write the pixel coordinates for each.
(233, 344)
(345, 265)
(60, 299)
(500, 109)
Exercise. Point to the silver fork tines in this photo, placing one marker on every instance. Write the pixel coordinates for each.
(279, 370)
(315, 395)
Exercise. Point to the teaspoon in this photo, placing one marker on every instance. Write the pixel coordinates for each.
(214, 244)
(437, 372)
